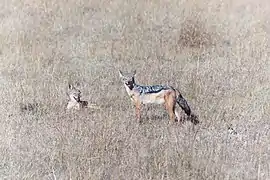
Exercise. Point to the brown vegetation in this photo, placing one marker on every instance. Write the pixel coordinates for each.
(215, 52)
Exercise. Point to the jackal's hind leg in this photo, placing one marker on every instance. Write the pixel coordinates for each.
(170, 108)
(171, 114)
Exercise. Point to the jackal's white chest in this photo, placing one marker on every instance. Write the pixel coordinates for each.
(130, 93)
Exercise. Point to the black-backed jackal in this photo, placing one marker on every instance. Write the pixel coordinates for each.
(75, 101)
(157, 94)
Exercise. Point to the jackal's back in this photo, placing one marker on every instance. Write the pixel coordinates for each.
(150, 89)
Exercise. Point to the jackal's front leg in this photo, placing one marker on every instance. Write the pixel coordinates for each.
(138, 111)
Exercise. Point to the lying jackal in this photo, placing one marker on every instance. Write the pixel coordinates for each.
(157, 94)
(75, 101)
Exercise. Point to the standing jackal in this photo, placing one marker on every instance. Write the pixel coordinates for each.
(157, 94)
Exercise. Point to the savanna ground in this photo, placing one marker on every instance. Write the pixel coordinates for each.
(215, 52)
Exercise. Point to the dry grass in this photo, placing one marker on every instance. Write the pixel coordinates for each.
(216, 52)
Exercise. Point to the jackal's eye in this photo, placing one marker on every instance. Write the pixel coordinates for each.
(124, 79)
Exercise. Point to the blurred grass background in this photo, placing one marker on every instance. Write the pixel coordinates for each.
(216, 52)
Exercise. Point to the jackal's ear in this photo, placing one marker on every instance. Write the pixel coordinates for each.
(121, 74)
(134, 72)
(77, 84)
(70, 86)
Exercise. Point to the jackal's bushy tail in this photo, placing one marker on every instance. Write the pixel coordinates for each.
(183, 103)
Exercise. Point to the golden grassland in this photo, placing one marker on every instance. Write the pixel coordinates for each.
(215, 52)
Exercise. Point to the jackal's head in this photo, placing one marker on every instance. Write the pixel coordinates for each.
(128, 78)
(73, 93)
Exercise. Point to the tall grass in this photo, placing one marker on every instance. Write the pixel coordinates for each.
(215, 52)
